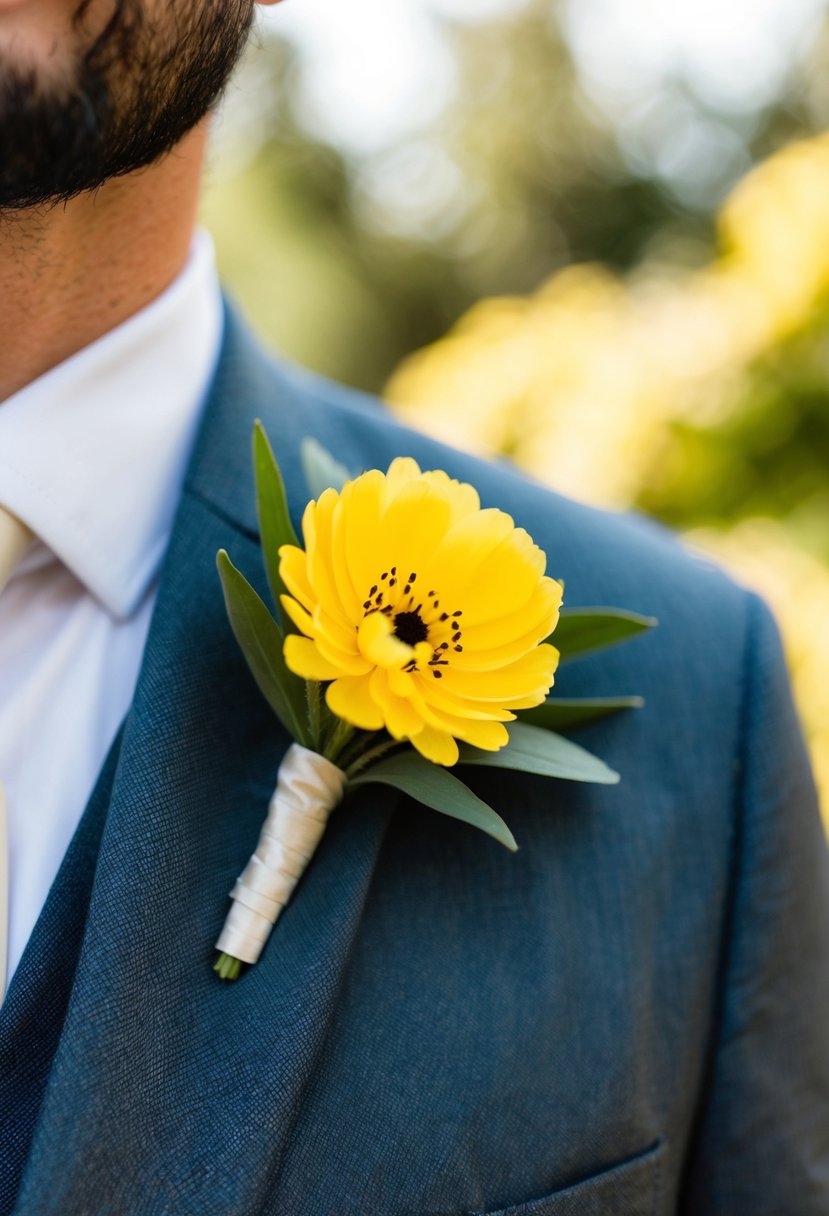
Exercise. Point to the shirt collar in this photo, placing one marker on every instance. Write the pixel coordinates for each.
(94, 452)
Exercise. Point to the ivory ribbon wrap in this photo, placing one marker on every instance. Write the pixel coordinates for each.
(308, 787)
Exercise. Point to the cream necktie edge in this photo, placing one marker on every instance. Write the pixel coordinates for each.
(15, 539)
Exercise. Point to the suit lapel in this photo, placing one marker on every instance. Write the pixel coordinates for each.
(165, 1081)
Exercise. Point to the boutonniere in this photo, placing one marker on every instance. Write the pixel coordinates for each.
(413, 638)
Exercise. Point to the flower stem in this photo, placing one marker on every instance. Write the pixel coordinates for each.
(350, 754)
(227, 967)
(314, 700)
(343, 733)
(374, 753)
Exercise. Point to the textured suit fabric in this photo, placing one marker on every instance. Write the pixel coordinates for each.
(32, 1016)
(629, 1016)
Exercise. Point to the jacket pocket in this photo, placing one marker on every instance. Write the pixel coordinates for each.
(628, 1189)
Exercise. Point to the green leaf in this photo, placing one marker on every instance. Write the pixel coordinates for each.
(437, 788)
(322, 471)
(534, 750)
(275, 526)
(559, 713)
(261, 642)
(582, 631)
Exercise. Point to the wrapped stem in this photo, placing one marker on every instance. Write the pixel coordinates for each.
(308, 787)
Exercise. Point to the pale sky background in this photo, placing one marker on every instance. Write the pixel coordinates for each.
(377, 65)
(375, 73)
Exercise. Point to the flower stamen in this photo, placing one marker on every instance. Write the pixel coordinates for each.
(409, 622)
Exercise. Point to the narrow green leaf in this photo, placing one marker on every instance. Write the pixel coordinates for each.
(582, 631)
(437, 788)
(322, 471)
(559, 713)
(275, 526)
(534, 750)
(261, 642)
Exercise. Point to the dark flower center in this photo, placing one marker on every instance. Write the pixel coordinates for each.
(410, 628)
(442, 630)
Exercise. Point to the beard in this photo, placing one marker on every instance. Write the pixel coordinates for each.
(131, 95)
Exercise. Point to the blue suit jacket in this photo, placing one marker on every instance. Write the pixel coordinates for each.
(628, 1017)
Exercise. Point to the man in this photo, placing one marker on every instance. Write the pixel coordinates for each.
(629, 1016)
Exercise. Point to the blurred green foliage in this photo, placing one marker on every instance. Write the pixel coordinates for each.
(769, 455)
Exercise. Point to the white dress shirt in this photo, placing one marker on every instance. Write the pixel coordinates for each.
(92, 458)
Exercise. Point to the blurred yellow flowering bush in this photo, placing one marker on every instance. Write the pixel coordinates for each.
(699, 395)
(761, 554)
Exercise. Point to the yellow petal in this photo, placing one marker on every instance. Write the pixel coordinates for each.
(437, 746)
(335, 644)
(458, 725)
(402, 469)
(494, 643)
(530, 676)
(466, 545)
(350, 698)
(439, 696)
(463, 499)
(302, 619)
(413, 525)
(488, 736)
(401, 718)
(423, 653)
(400, 682)
(379, 645)
(500, 573)
(348, 663)
(318, 532)
(294, 573)
(359, 526)
(350, 596)
(343, 637)
(303, 659)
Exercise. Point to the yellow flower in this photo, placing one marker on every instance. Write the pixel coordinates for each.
(425, 612)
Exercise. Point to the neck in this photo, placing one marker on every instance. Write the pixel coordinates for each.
(71, 273)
